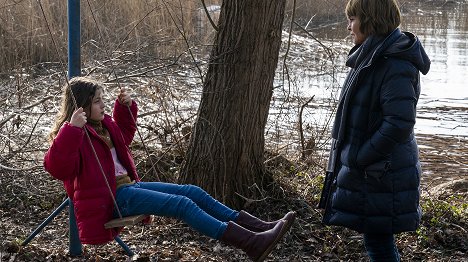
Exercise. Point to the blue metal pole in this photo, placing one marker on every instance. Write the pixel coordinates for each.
(74, 38)
(46, 221)
(75, 246)
(124, 246)
(74, 69)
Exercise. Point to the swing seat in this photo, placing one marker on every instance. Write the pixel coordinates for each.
(125, 221)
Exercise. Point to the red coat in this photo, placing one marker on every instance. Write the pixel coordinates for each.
(70, 158)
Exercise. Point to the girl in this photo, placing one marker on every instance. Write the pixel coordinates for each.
(372, 183)
(83, 133)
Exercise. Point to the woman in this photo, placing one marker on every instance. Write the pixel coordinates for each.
(372, 183)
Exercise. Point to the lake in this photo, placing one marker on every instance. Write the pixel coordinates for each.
(442, 116)
(443, 105)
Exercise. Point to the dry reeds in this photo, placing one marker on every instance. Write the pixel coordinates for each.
(107, 27)
(158, 28)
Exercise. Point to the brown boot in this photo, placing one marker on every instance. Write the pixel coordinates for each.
(257, 225)
(256, 245)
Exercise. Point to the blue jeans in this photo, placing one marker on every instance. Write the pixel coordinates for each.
(381, 247)
(188, 203)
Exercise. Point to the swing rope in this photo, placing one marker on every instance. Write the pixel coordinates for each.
(120, 87)
(76, 107)
(109, 57)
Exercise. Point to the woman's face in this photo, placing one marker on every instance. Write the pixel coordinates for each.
(97, 106)
(353, 26)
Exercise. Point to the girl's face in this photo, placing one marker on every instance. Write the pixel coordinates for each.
(353, 26)
(97, 106)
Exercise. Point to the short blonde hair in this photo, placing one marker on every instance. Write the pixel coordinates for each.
(377, 17)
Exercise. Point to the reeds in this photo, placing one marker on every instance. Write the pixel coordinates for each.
(159, 28)
(107, 27)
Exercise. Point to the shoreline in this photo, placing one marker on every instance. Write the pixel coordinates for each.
(444, 161)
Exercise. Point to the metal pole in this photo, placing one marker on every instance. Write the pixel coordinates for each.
(74, 69)
(46, 221)
(75, 246)
(74, 38)
(124, 246)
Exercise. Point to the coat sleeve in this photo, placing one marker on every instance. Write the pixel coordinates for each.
(124, 120)
(398, 99)
(62, 159)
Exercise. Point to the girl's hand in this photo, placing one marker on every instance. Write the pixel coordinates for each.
(78, 118)
(125, 98)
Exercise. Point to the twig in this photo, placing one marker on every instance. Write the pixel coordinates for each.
(8, 118)
(186, 41)
(327, 49)
(4, 121)
(17, 169)
(301, 130)
(209, 16)
(144, 72)
(30, 134)
(249, 201)
(37, 103)
(285, 65)
(310, 20)
(458, 226)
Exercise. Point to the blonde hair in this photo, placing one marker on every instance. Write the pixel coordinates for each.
(83, 90)
(377, 17)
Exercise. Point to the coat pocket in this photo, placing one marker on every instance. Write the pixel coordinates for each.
(377, 170)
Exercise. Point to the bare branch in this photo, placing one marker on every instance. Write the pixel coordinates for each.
(215, 27)
(301, 130)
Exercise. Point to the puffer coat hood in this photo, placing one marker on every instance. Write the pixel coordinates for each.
(408, 47)
(374, 156)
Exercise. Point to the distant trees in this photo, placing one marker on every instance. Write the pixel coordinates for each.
(226, 149)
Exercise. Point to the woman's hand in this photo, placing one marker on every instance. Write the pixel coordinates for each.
(124, 97)
(78, 118)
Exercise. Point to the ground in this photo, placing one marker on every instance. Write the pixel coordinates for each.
(27, 198)
(28, 195)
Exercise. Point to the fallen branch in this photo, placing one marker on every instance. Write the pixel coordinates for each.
(17, 169)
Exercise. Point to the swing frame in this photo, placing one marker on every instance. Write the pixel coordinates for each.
(74, 69)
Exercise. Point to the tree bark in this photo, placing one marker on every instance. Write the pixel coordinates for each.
(225, 156)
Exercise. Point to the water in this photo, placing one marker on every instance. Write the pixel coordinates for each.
(443, 106)
(443, 31)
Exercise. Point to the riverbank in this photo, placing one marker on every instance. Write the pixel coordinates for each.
(27, 197)
(168, 92)
(28, 194)
(444, 159)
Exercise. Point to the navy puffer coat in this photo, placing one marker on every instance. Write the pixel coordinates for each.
(374, 153)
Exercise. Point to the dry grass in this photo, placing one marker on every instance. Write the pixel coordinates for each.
(157, 28)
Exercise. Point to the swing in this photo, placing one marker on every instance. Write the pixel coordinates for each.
(129, 220)
(125, 221)
(75, 245)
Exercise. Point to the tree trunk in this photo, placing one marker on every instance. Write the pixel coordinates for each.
(225, 156)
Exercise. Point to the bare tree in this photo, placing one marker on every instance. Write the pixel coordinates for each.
(225, 155)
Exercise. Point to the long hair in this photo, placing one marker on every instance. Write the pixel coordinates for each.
(378, 17)
(83, 90)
